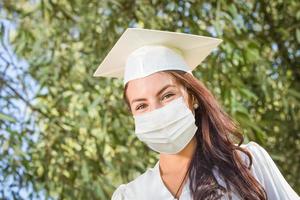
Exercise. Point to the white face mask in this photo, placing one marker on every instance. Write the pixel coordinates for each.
(168, 129)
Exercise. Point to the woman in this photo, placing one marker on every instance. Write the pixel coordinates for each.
(201, 155)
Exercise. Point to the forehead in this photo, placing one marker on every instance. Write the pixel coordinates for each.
(148, 85)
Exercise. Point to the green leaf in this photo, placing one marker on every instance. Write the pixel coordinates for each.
(5, 117)
(298, 35)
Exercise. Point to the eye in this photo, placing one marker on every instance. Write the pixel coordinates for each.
(167, 96)
(140, 106)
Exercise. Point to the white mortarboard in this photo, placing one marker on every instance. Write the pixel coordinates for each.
(140, 52)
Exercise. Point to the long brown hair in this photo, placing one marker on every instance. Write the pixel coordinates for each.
(216, 136)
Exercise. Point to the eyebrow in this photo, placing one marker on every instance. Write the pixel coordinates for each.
(159, 92)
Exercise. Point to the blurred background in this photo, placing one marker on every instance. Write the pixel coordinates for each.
(67, 135)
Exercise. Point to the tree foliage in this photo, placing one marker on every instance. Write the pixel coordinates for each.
(75, 140)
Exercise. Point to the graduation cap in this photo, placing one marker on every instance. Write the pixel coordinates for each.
(140, 52)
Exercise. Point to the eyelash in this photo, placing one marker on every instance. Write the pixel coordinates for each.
(167, 95)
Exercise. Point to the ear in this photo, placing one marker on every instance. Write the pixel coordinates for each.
(195, 102)
(191, 98)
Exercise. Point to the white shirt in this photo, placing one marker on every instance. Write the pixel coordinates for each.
(149, 185)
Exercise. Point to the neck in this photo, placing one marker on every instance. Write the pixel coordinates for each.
(173, 163)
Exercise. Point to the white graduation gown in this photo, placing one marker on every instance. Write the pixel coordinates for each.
(149, 185)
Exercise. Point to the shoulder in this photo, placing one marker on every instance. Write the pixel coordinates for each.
(132, 189)
(267, 173)
(258, 153)
(262, 162)
(252, 146)
(118, 194)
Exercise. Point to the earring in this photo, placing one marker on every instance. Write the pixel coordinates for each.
(196, 105)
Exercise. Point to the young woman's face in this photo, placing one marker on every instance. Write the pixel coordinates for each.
(153, 92)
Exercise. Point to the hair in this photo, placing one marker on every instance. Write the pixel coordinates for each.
(216, 148)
